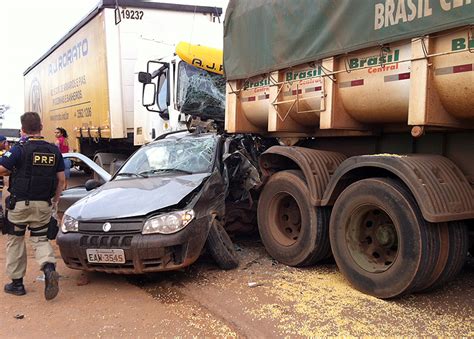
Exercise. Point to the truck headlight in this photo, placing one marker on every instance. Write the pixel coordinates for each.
(168, 223)
(69, 224)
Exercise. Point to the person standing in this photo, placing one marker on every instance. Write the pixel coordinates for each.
(4, 146)
(63, 145)
(36, 170)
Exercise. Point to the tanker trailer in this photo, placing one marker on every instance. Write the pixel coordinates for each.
(372, 102)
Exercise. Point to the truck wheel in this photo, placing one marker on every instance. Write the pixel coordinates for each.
(292, 230)
(452, 255)
(379, 239)
(221, 247)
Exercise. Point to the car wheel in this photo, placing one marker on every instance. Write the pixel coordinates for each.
(221, 247)
(292, 230)
(380, 241)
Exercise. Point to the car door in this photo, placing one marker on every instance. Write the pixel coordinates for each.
(77, 189)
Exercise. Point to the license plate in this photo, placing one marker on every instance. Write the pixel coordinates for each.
(105, 256)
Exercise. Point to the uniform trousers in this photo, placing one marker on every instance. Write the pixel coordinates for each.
(34, 215)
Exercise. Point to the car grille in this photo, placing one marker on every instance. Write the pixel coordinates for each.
(119, 226)
(106, 241)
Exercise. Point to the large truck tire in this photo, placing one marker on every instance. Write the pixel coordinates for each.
(452, 256)
(221, 247)
(293, 231)
(380, 241)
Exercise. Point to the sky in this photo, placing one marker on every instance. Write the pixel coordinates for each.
(28, 28)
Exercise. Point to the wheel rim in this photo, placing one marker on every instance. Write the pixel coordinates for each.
(372, 239)
(286, 219)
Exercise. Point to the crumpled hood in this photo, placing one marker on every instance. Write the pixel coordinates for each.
(134, 197)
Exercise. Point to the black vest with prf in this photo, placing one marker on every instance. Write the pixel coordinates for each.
(35, 177)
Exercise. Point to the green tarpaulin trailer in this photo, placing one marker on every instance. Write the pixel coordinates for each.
(265, 35)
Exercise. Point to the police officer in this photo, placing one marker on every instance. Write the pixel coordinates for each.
(36, 170)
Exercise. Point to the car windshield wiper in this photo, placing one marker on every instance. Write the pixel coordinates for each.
(126, 174)
(164, 170)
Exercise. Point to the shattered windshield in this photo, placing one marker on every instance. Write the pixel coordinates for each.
(201, 93)
(182, 156)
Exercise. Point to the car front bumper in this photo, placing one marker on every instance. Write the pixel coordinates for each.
(143, 253)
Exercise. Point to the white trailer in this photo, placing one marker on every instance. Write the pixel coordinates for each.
(87, 82)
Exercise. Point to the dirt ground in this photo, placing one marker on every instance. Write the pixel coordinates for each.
(261, 298)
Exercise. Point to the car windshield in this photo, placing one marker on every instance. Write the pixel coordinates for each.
(183, 156)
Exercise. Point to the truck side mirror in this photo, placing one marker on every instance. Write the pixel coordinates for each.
(148, 95)
(144, 77)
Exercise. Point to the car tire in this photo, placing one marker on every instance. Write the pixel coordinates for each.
(380, 241)
(221, 247)
(293, 231)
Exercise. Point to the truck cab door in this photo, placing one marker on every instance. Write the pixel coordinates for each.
(177, 120)
(159, 95)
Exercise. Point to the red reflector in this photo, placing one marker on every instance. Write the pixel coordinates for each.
(251, 99)
(357, 82)
(293, 92)
(267, 96)
(403, 76)
(317, 88)
(462, 68)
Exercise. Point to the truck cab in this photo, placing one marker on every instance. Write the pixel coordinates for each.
(186, 87)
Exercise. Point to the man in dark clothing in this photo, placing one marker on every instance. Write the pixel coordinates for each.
(36, 170)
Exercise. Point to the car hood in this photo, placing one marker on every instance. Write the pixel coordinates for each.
(135, 197)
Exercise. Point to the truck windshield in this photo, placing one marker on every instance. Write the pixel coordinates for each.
(186, 156)
(200, 93)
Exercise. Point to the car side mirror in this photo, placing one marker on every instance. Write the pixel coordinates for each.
(92, 184)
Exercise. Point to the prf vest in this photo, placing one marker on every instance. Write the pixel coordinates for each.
(35, 177)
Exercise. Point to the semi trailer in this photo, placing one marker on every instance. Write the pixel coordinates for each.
(87, 83)
(372, 104)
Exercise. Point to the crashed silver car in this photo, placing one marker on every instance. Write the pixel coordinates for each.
(168, 200)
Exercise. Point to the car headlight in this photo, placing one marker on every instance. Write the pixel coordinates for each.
(69, 224)
(168, 223)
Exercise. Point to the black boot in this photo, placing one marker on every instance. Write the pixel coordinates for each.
(16, 287)
(51, 281)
